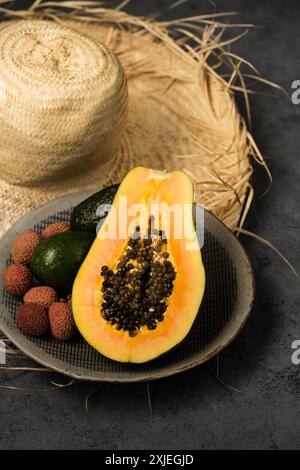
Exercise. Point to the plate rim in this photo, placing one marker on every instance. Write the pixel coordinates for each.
(144, 376)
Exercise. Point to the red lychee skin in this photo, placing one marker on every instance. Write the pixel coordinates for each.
(53, 229)
(17, 279)
(43, 296)
(62, 325)
(32, 319)
(24, 245)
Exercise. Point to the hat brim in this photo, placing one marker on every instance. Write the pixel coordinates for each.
(181, 116)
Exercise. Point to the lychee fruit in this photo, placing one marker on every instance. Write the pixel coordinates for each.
(17, 279)
(42, 295)
(53, 229)
(32, 319)
(61, 320)
(24, 245)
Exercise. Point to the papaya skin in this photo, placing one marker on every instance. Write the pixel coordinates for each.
(142, 185)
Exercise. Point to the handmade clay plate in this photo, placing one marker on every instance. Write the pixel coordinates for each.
(226, 305)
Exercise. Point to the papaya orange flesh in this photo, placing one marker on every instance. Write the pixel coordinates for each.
(112, 318)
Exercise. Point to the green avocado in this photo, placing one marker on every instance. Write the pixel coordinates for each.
(87, 215)
(56, 260)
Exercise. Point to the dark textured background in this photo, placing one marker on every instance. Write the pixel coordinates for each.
(193, 410)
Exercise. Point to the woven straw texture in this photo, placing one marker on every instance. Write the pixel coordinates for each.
(63, 102)
(181, 112)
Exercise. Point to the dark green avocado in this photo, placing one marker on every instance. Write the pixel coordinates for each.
(56, 260)
(88, 213)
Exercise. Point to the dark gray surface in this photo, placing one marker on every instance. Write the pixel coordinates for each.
(193, 410)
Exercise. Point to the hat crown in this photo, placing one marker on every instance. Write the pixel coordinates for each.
(63, 102)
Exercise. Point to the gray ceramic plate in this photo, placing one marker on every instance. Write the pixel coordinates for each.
(227, 303)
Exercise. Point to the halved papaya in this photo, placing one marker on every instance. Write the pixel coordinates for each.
(140, 287)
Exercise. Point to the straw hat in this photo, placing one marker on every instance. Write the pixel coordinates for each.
(63, 109)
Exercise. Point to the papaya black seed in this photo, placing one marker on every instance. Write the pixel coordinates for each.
(133, 332)
(134, 297)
